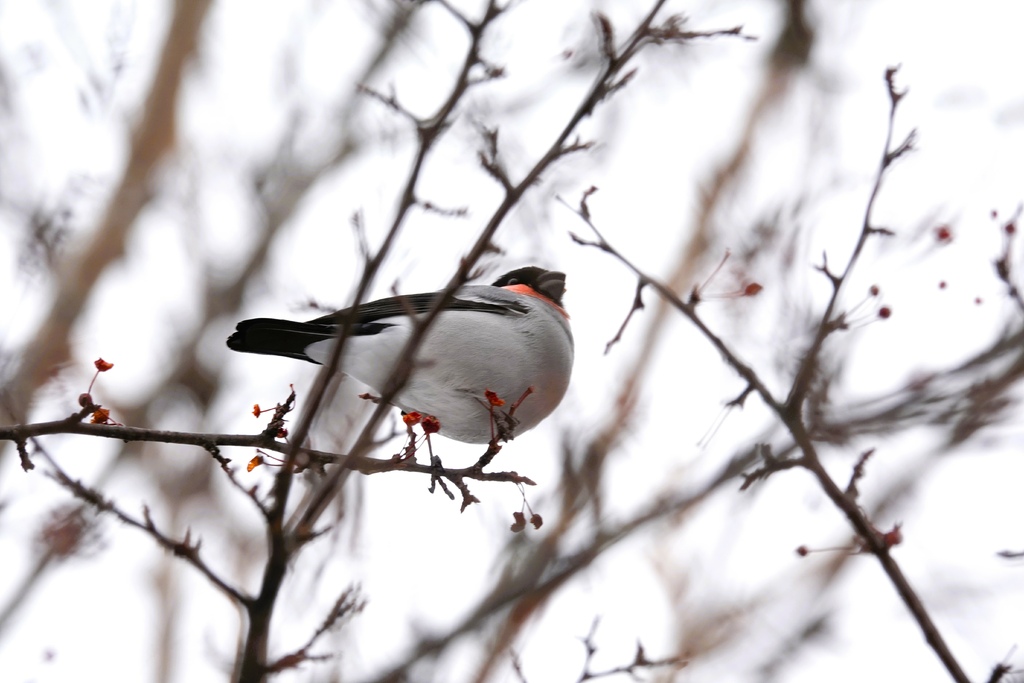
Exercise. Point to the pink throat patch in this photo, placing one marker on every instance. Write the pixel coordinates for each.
(530, 291)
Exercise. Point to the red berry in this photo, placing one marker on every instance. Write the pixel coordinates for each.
(893, 536)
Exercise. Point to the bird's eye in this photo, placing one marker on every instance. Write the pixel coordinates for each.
(513, 281)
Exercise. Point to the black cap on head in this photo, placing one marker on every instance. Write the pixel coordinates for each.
(550, 283)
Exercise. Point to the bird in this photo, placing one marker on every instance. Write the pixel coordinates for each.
(499, 353)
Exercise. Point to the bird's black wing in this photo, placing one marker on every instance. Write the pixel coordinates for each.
(290, 338)
(412, 304)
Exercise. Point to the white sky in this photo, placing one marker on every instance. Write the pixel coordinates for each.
(419, 561)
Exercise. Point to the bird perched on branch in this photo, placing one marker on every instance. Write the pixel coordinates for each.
(494, 363)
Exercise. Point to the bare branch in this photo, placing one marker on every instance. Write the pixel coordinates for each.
(313, 458)
(810, 358)
(771, 465)
(640, 661)
(688, 309)
(638, 305)
(858, 473)
(152, 139)
(349, 603)
(184, 549)
(790, 414)
(543, 571)
(1004, 264)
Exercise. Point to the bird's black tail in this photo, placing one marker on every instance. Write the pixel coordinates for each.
(278, 337)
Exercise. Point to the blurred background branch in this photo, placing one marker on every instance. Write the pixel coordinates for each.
(242, 141)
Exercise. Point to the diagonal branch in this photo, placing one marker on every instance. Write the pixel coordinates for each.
(790, 414)
(539, 573)
(152, 140)
(185, 549)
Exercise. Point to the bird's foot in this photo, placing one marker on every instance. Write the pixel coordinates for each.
(503, 424)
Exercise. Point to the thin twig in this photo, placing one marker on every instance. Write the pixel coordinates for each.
(185, 549)
(802, 380)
